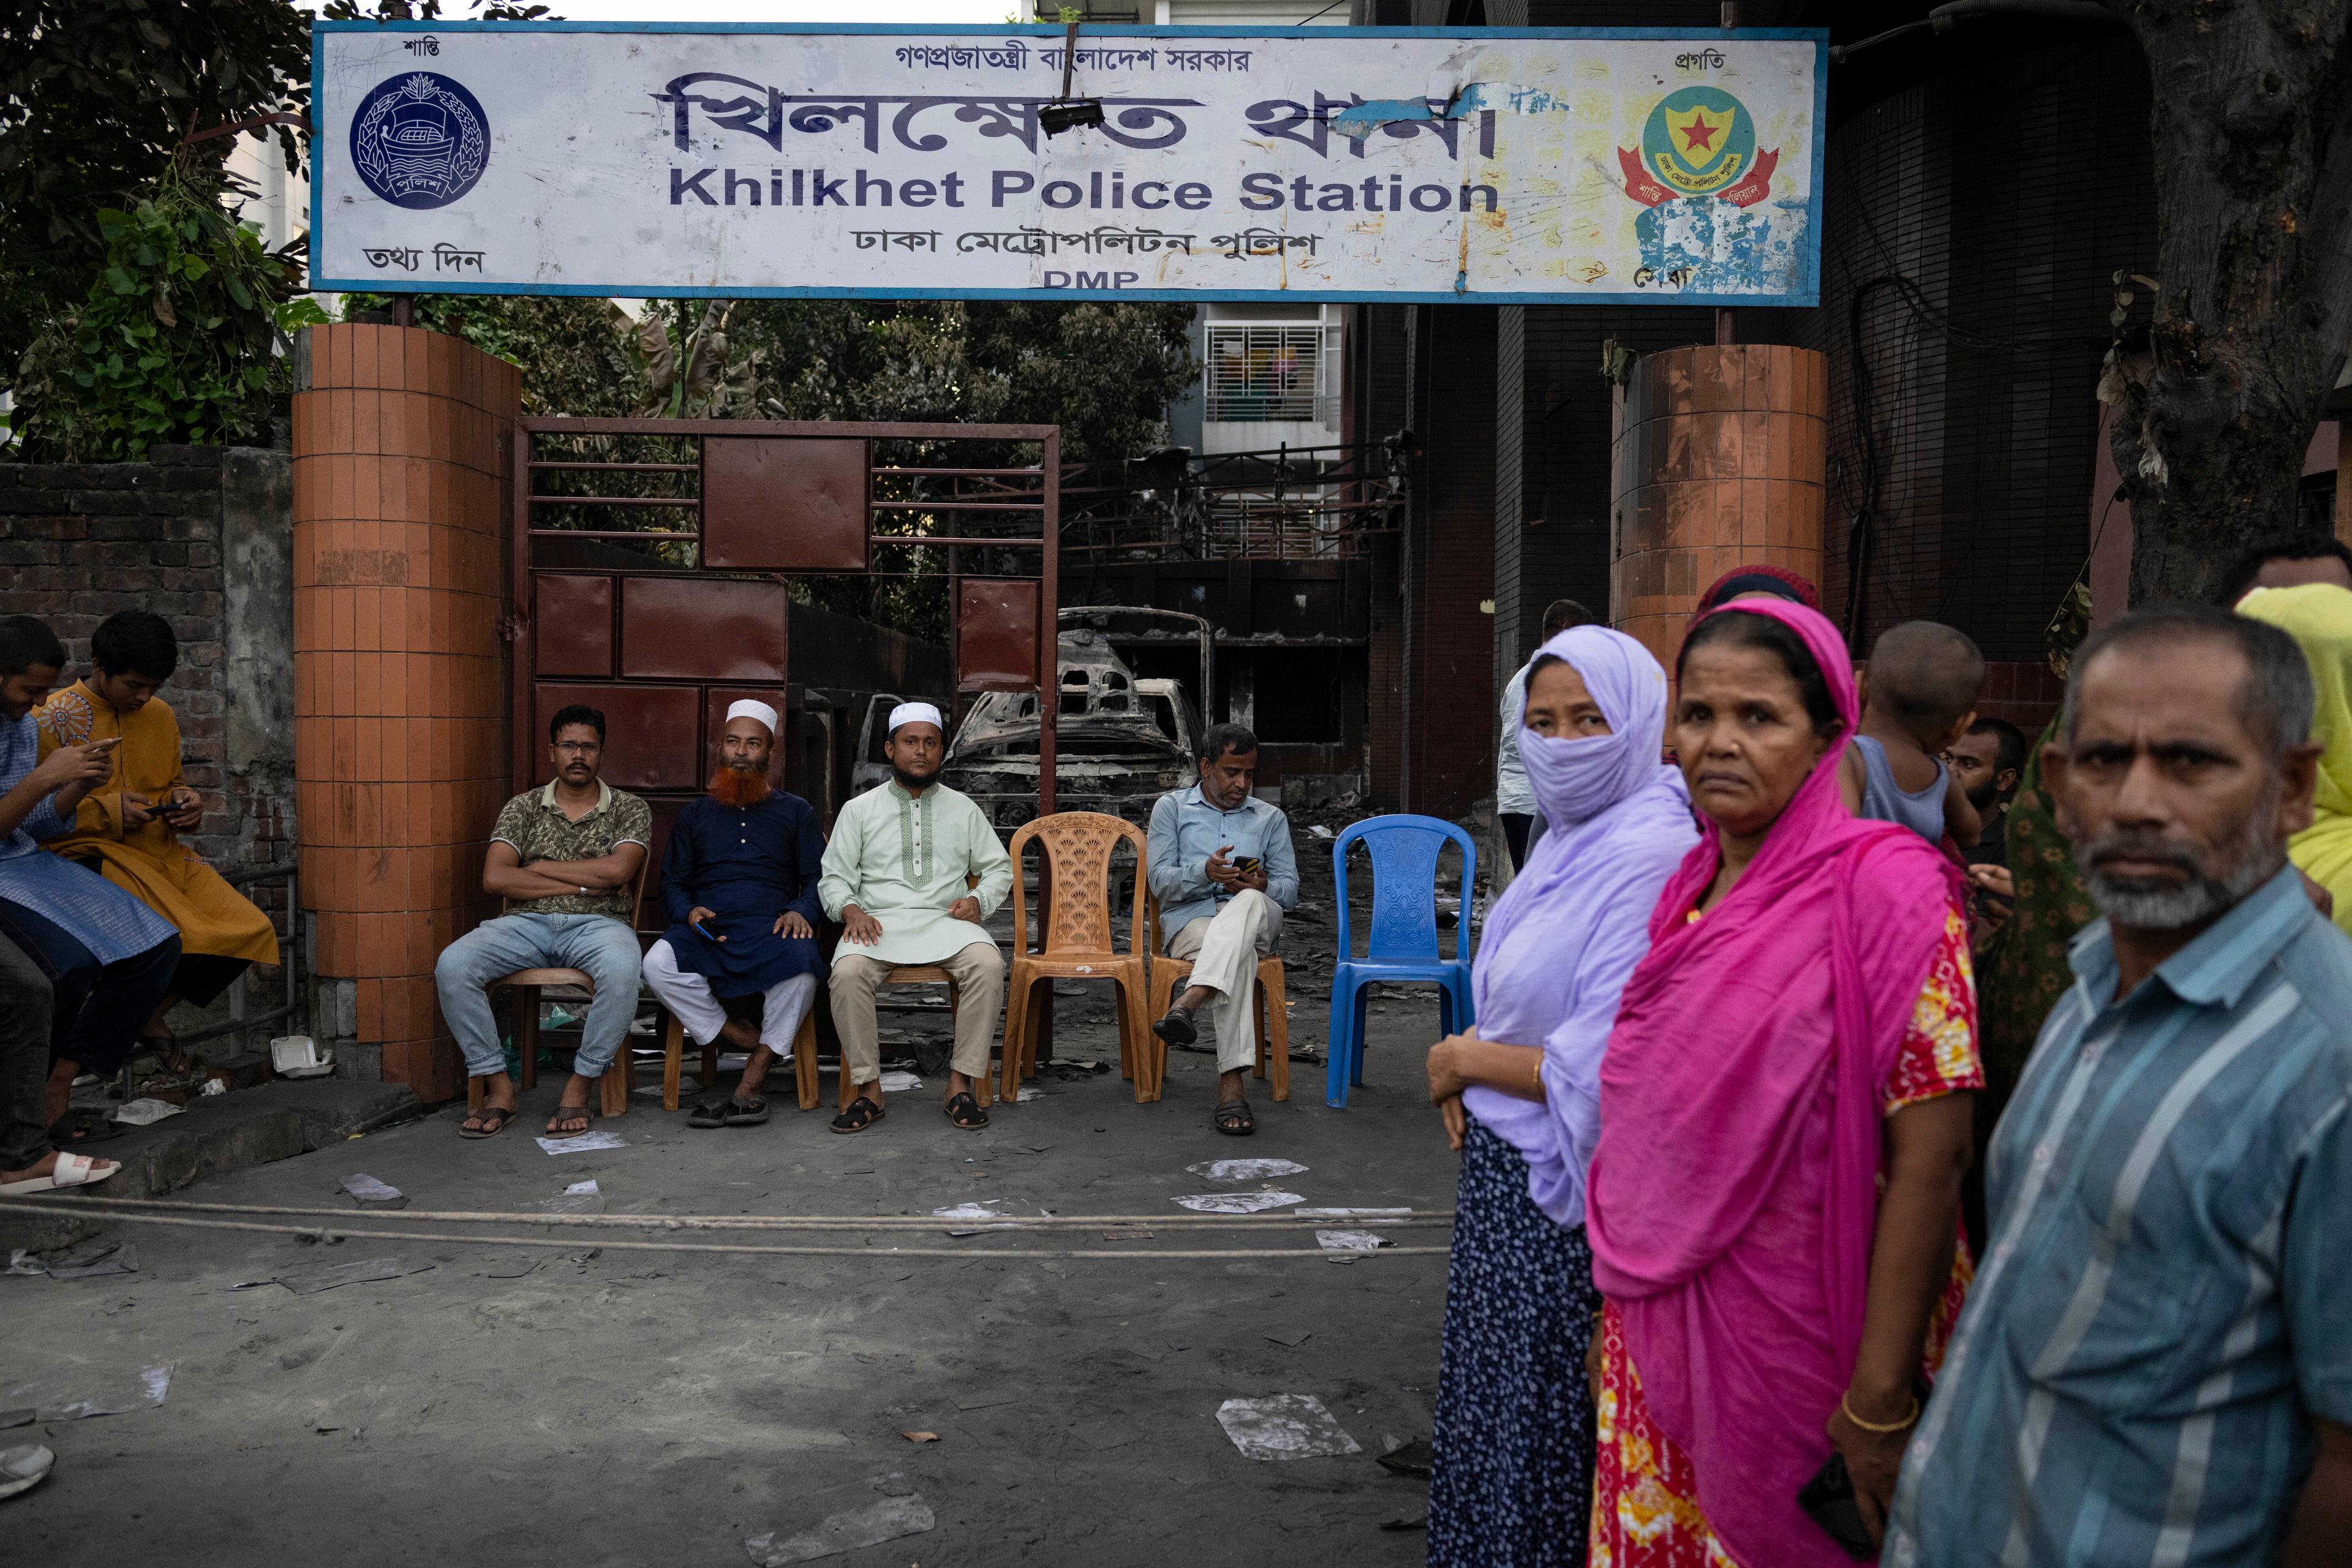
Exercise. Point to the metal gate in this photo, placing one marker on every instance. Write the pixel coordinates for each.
(653, 559)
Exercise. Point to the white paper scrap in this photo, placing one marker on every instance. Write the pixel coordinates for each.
(576, 1188)
(1352, 1214)
(92, 1394)
(583, 1141)
(369, 1190)
(1284, 1426)
(147, 1112)
(1246, 1170)
(848, 1532)
(1352, 1240)
(899, 1083)
(1027, 1094)
(1238, 1203)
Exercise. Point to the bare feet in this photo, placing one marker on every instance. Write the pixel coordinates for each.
(758, 1057)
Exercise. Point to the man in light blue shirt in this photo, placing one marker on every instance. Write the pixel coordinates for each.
(2155, 1366)
(1220, 866)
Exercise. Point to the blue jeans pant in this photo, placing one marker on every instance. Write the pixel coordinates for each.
(599, 946)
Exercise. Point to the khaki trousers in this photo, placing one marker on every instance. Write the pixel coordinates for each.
(979, 972)
(1224, 953)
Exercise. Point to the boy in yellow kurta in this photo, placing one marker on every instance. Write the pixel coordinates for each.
(128, 828)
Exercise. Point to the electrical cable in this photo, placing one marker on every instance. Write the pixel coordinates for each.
(324, 1233)
(68, 1202)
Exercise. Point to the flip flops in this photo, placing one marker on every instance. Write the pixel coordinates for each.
(23, 1469)
(580, 1113)
(70, 1171)
(503, 1114)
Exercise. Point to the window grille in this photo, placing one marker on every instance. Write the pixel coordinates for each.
(1270, 373)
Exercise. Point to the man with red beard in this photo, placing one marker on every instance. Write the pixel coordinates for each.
(738, 883)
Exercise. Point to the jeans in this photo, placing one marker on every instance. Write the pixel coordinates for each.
(603, 948)
(25, 1003)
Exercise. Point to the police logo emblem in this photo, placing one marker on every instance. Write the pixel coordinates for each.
(420, 140)
(1698, 141)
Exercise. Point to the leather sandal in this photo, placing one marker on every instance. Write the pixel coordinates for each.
(964, 1111)
(857, 1116)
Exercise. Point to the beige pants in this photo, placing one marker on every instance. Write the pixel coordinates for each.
(979, 972)
(1224, 953)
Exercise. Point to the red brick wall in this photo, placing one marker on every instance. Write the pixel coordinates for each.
(2027, 695)
(401, 496)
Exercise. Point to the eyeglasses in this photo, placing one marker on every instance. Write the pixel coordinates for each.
(579, 745)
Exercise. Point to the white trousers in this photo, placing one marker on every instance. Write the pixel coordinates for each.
(1224, 953)
(689, 997)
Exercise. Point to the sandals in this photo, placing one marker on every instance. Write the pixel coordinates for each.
(730, 1112)
(1176, 1027)
(81, 1125)
(569, 1113)
(964, 1111)
(492, 1120)
(165, 1048)
(1232, 1117)
(70, 1171)
(857, 1116)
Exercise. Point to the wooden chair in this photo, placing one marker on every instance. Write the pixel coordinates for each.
(1076, 942)
(620, 1078)
(674, 1053)
(1273, 1015)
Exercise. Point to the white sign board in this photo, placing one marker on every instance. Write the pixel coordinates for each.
(1533, 164)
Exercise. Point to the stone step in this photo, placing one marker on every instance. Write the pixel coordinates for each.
(217, 1133)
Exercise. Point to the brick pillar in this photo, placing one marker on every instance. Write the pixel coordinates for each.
(1718, 461)
(401, 510)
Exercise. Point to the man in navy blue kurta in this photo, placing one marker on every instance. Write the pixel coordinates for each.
(739, 884)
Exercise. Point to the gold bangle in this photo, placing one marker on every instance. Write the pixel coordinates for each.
(1535, 1072)
(1845, 1404)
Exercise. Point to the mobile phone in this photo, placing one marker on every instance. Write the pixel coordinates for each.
(1246, 864)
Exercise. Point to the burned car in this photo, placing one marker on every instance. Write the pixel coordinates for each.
(1120, 740)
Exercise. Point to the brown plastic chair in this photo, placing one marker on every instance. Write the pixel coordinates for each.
(620, 1078)
(1273, 1013)
(1075, 943)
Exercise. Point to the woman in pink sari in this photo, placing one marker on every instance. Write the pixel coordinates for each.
(1785, 1117)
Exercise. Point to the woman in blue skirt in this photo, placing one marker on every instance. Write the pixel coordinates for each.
(1511, 1484)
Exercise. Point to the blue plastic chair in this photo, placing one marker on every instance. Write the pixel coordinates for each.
(1404, 933)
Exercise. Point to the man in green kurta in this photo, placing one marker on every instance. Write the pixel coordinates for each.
(900, 875)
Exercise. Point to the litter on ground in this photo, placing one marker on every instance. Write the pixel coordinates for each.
(846, 1531)
(84, 1391)
(1352, 1241)
(1285, 1427)
(329, 1276)
(1246, 1170)
(368, 1190)
(575, 1144)
(1238, 1203)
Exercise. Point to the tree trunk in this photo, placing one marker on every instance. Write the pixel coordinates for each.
(2253, 130)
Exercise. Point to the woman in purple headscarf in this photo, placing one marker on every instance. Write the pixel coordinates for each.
(1512, 1479)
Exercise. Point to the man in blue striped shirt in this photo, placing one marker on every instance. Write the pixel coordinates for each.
(2154, 1367)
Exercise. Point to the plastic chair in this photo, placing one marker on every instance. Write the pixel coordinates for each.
(1075, 943)
(620, 1078)
(1273, 1013)
(1403, 944)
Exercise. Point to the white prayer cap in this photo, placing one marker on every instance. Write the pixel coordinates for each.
(747, 709)
(915, 713)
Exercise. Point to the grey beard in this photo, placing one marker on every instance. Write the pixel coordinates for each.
(2244, 866)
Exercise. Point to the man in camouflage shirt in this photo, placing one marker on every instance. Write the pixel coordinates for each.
(565, 859)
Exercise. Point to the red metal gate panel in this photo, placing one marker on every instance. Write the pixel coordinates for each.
(790, 505)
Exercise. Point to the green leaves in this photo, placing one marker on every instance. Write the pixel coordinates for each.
(176, 340)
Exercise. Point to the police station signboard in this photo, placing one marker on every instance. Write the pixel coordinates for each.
(1530, 165)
